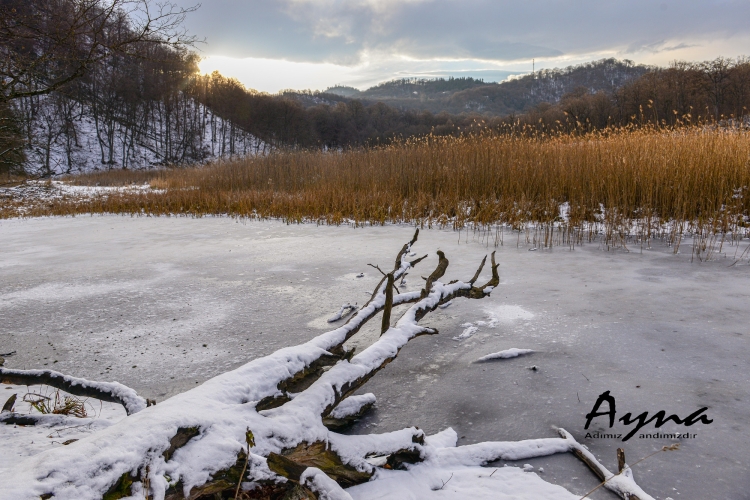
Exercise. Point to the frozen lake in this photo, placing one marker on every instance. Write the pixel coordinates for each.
(162, 304)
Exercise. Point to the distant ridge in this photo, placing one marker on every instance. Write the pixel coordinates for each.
(516, 95)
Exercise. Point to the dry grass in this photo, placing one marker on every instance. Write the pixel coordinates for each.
(57, 404)
(651, 183)
(10, 180)
(120, 177)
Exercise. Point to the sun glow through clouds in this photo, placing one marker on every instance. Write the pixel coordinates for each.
(274, 75)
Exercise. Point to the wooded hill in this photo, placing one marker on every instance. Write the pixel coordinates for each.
(590, 96)
(516, 95)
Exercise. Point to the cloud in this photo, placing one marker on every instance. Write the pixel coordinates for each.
(272, 75)
(340, 31)
(498, 34)
(658, 47)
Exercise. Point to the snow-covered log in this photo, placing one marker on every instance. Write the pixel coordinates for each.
(112, 392)
(622, 483)
(349, 410)
(343, 311)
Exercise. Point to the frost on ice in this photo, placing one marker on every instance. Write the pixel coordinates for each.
(503, 314)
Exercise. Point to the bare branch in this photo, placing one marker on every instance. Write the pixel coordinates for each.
(112, 392)
(386, 324)
(417, 261)
(436, 274)
(405, 250)
(378, 268)
(44, 46)
(476, 275)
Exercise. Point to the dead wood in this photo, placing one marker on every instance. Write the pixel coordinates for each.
(291, 463)
(222, 482)
(410, 455)
(304, 378)
(77, 387)
(301, 380)
(352, 386)
(470, 292)
(436, 274)
(272, 402)
(13, 418)
(599, 471)
(299, 492)
(407, 456)
(337, 424)
(121, 489)
(405, 249)
(591, 465)
(8, 406)
(479, 270)
(386, 324)
(180, 439)
(620, 459)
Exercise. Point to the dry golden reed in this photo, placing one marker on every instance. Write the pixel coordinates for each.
(694, 179)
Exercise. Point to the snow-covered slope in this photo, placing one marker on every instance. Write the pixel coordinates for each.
(66, 136)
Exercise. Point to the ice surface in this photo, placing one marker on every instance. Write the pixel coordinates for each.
(219, 408)
(100, 295)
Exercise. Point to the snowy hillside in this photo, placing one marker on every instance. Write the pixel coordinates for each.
(65, 136)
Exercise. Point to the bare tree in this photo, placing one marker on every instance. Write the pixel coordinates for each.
(11, 140)
(45, 44)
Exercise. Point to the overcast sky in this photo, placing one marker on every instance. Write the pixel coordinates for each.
(313, 44)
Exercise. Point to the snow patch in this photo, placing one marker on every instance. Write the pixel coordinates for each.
(447, 438)
(352, 405)
(435, 480)
(508, 353)
(504, 314)
(469, 330)
(342, 312)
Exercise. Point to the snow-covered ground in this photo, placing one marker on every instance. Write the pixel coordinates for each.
(162, 304)
(50, 190)
(59, 430)
(25, 198)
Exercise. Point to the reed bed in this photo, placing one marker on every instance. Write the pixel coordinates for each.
(625, 185)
